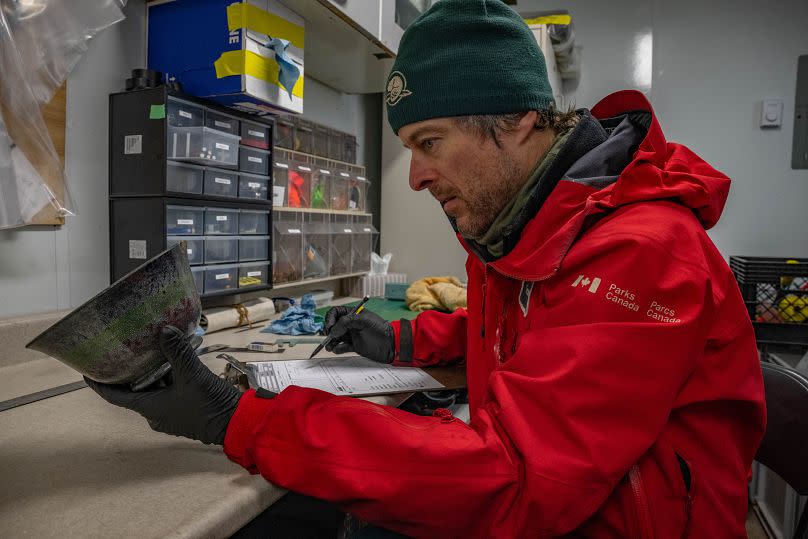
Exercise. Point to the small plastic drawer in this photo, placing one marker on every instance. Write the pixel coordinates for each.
(221, 221)
(184, 221)
(254, 160)
(284, 134)
(253, 186)
(320, 136)
(199, 278)
(253, 222)
(349, 149)
(256, 248)
(250, 275)
(304, 136)
(202, 145)
(280, 180)
(255, 135)
(194, 248)
(219, 278)
(336, 142)
(221, 249)
(184, 178)
(184, 114)
(221, 183)
(221, 122)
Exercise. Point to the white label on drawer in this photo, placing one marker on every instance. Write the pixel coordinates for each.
(294, 231)
(301, 167)
(225, 125)
(185, 114)
(254, 185)
(347, 230)
(361, 178)
(281, 165)
(323, 171)
(220, 146)
(277, 195)
(185, 221)
(252, 159)
(344, 174)
(221, 276)
(254, 273)
(137, 249)
(225, 181)
(259, 134)
(221, 218)
(189, 252)
(132, 144)
(367, 229)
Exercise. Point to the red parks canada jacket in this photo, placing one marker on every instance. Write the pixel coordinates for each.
(613, 378)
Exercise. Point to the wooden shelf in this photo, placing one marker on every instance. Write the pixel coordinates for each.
(318, 210)
(320, 280)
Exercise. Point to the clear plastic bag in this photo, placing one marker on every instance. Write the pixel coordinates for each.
(380, 264)
(40, 43)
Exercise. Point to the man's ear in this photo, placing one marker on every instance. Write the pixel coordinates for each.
(524, 129)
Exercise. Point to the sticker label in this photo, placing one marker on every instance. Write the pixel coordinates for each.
(137, 249)
(224, 181)
(254, 185)
(281, 165)
(221, 218)
(254, 273)
(259, 134)
(185, 221)
(367, 230)
(189, 252)
(347, 230)
(352, 205)
(224, 125)
(220, 146)
(294, 231)
(133, 144)
(221, 276)
(277, 195)
(252, 159)
(186, 114)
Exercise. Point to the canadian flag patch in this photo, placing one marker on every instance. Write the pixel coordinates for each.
(583, 281)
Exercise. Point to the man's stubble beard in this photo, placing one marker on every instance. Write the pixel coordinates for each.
(492, 189)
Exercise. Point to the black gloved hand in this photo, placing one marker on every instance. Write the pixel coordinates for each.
(366, 334)
(197, 404)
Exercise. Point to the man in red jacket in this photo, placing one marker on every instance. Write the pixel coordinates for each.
(613, 378)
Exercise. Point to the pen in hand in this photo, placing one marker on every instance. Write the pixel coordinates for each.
(327, 340)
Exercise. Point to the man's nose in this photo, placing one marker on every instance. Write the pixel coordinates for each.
(420, 177)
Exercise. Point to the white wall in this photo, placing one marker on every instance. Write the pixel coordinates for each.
(710, 73)
(706, 67)
(52, 268)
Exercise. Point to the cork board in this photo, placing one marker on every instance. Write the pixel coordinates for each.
(55, 114)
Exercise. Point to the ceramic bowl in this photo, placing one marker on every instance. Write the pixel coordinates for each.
(113, 338)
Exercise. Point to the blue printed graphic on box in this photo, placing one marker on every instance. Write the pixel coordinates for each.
(241, 54)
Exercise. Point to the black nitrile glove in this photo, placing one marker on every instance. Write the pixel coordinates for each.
(197, 404)
(366, 334)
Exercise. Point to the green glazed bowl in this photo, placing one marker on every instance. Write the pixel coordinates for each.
(114, 337)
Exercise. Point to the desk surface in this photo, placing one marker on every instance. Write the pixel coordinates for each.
(74, 466)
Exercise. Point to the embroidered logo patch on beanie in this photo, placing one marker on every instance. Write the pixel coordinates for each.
(396, 88)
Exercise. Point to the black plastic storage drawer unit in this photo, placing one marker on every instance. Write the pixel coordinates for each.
(182, 169)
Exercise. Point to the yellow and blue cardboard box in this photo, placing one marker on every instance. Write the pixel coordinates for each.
(247, 55)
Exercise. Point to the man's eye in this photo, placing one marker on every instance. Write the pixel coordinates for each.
(428, 144)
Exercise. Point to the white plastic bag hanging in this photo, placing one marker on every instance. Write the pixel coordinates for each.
(40, 43)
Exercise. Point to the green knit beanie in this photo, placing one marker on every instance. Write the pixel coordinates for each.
(466, 57)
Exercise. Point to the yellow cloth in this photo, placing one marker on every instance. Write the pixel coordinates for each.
(444, 293)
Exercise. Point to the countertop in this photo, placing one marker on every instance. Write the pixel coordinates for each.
(75, 466)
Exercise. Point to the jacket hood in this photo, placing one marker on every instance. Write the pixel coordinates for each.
(633, 164)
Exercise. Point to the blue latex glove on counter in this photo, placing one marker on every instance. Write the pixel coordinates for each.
(298, 320)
